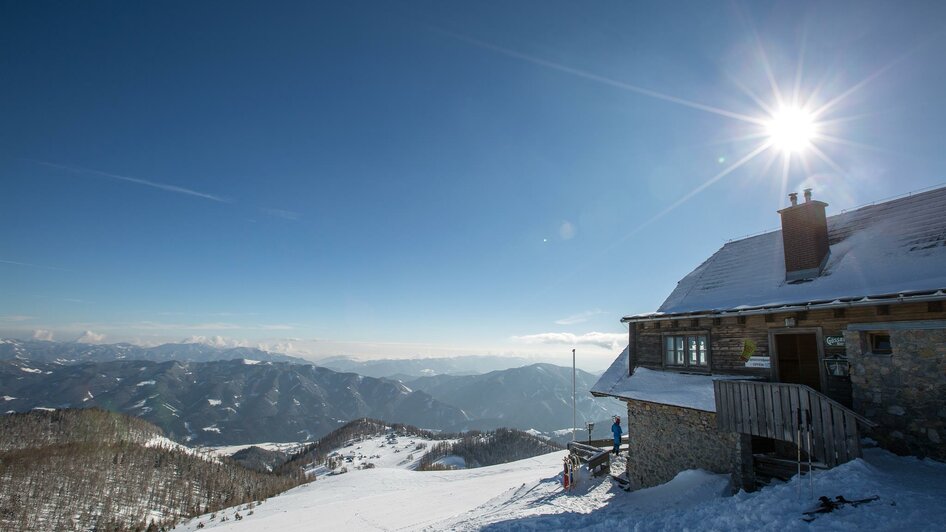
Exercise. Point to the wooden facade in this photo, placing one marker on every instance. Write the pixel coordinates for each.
(728, 334)
(764, 408)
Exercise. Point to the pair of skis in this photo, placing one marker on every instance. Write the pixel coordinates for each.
(827, 506)
(621, 482)
(806, 421)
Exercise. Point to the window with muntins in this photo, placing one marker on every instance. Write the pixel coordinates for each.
(674, 351)
(689, 350)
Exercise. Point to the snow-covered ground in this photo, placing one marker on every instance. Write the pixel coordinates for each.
(166, 443)
(228, 450)
(387, 453)
(527, 495)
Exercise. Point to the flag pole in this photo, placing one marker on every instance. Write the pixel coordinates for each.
(574, 409)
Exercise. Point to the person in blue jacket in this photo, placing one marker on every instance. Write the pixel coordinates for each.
(616, 430)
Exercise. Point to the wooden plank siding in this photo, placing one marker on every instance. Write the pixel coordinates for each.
(766, 419)
(742, 404)
(726, 339)
(771, 410)
(851, 437)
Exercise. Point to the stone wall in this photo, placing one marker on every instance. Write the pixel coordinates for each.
(905, 392)
(665, 440)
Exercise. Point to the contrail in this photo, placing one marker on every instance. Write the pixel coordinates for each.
(28, 265)
(139, 181)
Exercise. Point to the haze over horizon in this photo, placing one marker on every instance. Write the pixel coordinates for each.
(387, 179)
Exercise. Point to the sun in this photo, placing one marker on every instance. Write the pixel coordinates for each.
(791, 129)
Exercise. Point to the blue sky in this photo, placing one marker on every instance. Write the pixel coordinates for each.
(426, 178)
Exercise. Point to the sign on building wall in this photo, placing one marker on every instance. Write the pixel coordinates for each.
(758, 362)
(834, 341)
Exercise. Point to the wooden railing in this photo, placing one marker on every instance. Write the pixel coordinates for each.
(771, 410)
(606, 443)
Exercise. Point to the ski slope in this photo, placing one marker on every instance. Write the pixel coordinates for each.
(527, 495)
(387, 498)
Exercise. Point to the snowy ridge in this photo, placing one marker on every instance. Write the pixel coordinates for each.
(162, 442)
(383, 452)
(228, 450)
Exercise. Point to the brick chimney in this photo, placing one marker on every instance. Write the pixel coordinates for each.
(804, 237)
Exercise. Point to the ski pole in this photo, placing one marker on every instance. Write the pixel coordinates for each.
(811, 479)
(798, 461)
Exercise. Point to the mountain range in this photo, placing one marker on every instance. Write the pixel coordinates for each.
(407, 368)
(222, 402)
(74, 352)
(250, 400)
(538, 396)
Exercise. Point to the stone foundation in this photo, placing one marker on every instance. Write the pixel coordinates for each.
(665, 440)
(904, 392)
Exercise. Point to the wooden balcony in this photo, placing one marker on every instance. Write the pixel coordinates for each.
(789, 412)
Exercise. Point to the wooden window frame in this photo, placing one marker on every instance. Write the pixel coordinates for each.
(871, 347)
(686, 335)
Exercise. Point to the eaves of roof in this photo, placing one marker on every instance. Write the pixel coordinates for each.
(885, 299)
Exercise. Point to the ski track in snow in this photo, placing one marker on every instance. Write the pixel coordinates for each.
(527, 495)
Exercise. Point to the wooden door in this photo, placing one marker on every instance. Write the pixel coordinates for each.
(798, 359)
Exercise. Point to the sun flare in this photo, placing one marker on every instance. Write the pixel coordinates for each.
(791, 129)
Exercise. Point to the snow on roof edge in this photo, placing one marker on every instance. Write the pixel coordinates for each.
(684, 390)
(871, 299)
(616, 371)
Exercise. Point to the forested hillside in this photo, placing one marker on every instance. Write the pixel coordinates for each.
(259, 459)
(95, 470)
(58, 427)
(480, 449)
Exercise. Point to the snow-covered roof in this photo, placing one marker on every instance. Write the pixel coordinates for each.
(616, 371)
(663, 387)
(891, 248)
